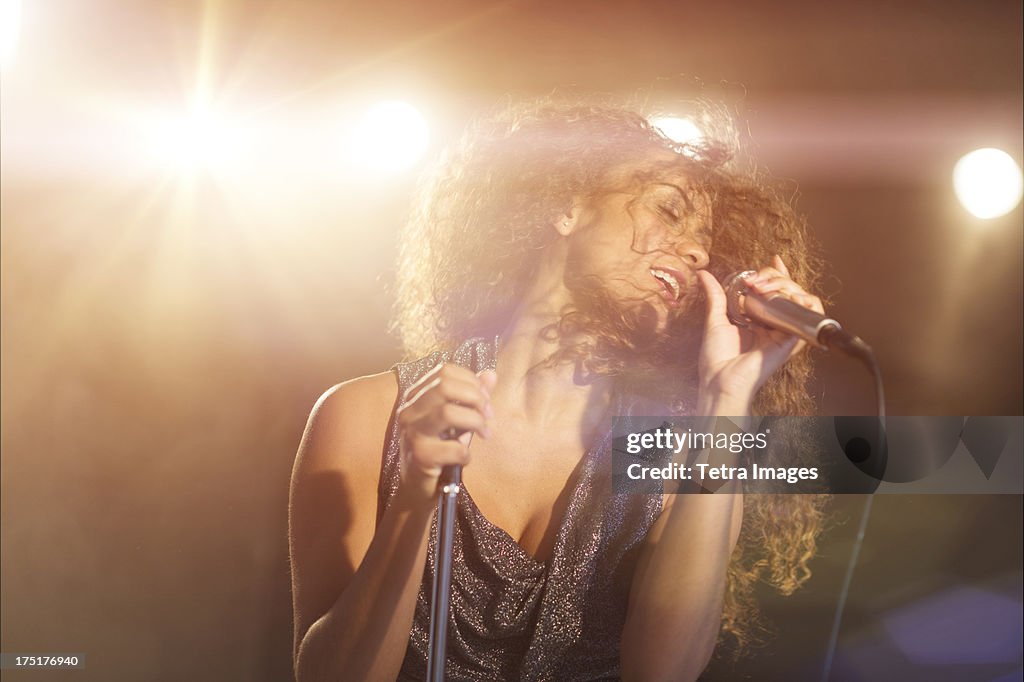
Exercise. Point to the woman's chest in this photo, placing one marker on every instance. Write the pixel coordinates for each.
(524, 486)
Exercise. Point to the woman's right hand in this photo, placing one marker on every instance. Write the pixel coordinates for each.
(448, 399)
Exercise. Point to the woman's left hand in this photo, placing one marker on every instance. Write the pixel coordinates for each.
(736, 361)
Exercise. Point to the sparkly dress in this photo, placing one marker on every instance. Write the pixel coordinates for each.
(513, 617)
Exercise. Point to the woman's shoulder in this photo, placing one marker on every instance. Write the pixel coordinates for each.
(365, 394)
(347, 425)
(360, 401)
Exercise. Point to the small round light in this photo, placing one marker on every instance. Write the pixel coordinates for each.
(391, 136)
(988, 182)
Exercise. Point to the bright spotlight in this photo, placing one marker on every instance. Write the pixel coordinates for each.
(200, 140)
(391, 136)
(10, 22)
(681, 130)
(988, 182)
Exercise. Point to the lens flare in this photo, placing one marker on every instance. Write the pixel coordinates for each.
(681, 130)
(10, 23)
(391, 136)
(199, 140)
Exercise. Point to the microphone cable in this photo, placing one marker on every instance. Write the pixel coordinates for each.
(865, 354)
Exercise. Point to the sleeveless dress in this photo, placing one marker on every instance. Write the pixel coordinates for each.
(513, 617)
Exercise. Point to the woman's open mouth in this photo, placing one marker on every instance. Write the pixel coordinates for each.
(671, 282)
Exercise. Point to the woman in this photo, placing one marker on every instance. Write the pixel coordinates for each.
(559, 269)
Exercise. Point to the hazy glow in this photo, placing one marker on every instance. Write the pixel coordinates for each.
(199, 140)
(391, 136)
(681, 130)
(988, 182)
(10, 22)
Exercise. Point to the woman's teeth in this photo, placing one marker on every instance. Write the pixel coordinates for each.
(669, 280)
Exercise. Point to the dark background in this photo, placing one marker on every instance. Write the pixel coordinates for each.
(163, 338)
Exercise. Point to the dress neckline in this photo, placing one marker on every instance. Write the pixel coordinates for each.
(579, 480)
(580, 477)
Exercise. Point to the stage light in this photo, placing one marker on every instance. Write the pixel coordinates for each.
(988, 182)
(392, 135)
(10, 22)
(198, 140)
(681, 130)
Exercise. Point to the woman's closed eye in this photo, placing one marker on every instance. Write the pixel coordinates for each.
(670, 212)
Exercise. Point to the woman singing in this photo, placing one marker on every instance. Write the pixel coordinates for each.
(560, 268)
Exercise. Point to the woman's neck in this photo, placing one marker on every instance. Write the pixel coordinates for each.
(541, 394)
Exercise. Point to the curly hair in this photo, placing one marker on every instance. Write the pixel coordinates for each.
(469, 251)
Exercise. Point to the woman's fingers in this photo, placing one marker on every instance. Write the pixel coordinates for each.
(776, 280)
(454, 418)
(737, 361)
(437, 417)
(716, 301)
(444, 420)
(488, 378)
(451, 382)
(789, 289)
(427, 455)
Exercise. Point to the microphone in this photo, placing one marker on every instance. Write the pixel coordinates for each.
(746, 307)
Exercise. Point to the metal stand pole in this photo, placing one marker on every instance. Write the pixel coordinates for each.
(451, 483)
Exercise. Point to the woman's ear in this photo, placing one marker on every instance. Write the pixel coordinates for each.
(565, 223)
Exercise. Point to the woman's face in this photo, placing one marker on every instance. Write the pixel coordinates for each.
(643, 244)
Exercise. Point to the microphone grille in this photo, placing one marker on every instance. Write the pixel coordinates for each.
(735, 286)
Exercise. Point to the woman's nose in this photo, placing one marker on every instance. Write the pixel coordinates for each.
(695, 255)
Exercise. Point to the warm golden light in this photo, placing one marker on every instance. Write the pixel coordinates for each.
(10, 22)
(391, 136)
(199, 140)
(988, 182)
(681, 130)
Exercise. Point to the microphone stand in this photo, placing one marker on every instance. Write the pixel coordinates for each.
(450, 485)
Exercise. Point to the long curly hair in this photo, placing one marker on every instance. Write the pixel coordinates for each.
(470, 250)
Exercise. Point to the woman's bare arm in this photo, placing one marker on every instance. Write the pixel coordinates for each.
(349, 623)
(677, 594)
(676, 598)
(354, 586)
(675, 612)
